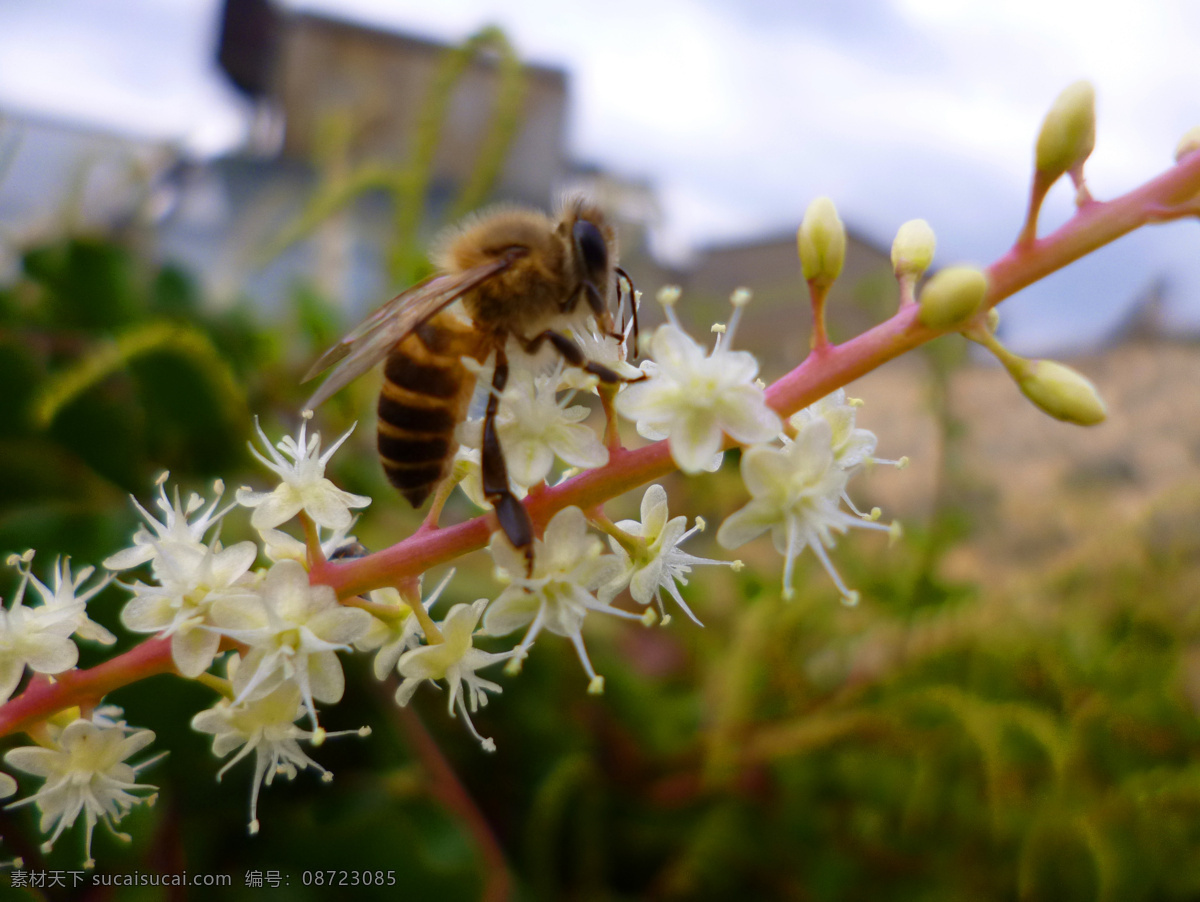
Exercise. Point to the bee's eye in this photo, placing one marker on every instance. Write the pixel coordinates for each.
(591, 245)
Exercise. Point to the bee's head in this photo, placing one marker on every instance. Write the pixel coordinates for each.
(591, 250)
(593, 242)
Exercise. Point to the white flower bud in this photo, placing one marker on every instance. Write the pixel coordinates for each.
(822, 242)
(1189, 143)
(952, 296)
(913, 247)
(1061, 392)
(1068, 132)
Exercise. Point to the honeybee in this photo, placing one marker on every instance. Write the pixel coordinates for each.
(519, 275)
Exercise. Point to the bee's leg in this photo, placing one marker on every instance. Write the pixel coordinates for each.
(633, 306)
(511, 514)
(350, 551)
(594, 299)
(572, 354)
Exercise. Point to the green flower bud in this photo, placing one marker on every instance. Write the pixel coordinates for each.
(913, 247)
(1189, 143)
(1068, 131)
(822, 242)
(1062, 392)
(951, 297)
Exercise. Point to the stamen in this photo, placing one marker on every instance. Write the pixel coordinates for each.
(488, 744)
(736, 318)
(850, 504)
(789, 562)
(577, 641)
(849, 597)
(668, 295)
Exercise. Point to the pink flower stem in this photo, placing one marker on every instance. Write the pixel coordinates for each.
(1172, 195)
(445, 786)
(84, 687)
(828, 368)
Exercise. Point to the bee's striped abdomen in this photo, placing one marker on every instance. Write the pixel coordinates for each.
(426, 390)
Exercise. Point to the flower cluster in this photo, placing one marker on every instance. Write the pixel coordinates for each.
(265, 725)
(537, 425)
(203, 596)
(261, 608)
(694, 399)
(83, 765)
(798, 485)
(40, 637)
(270, 605)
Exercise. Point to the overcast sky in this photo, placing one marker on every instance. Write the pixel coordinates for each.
(741, 112)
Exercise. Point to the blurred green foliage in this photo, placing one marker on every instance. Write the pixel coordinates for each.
(940, 741)
(111, 370)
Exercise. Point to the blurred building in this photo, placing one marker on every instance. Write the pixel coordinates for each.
(58, 175)
(309, 74)
(332, 98)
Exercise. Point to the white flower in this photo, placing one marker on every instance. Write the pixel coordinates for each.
(656, 562)
(597, 347)
(85, 771)
(38, 638)
(694, 398)
(534, 426)
(852, 447)
(454, 660)
(191, 573)
(395, 635)
(304, 485)
(63, 597)
(173, 532)
(7, 785)
(293, 630)
(797, 490)
(266, 727)
(279, 546)
(568, 569)
(192, 579)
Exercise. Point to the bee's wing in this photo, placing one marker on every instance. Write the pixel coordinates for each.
(372, 339)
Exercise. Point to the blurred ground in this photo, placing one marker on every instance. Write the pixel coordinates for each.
(1037, 489)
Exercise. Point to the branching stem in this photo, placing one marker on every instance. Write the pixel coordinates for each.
(1175, 194)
